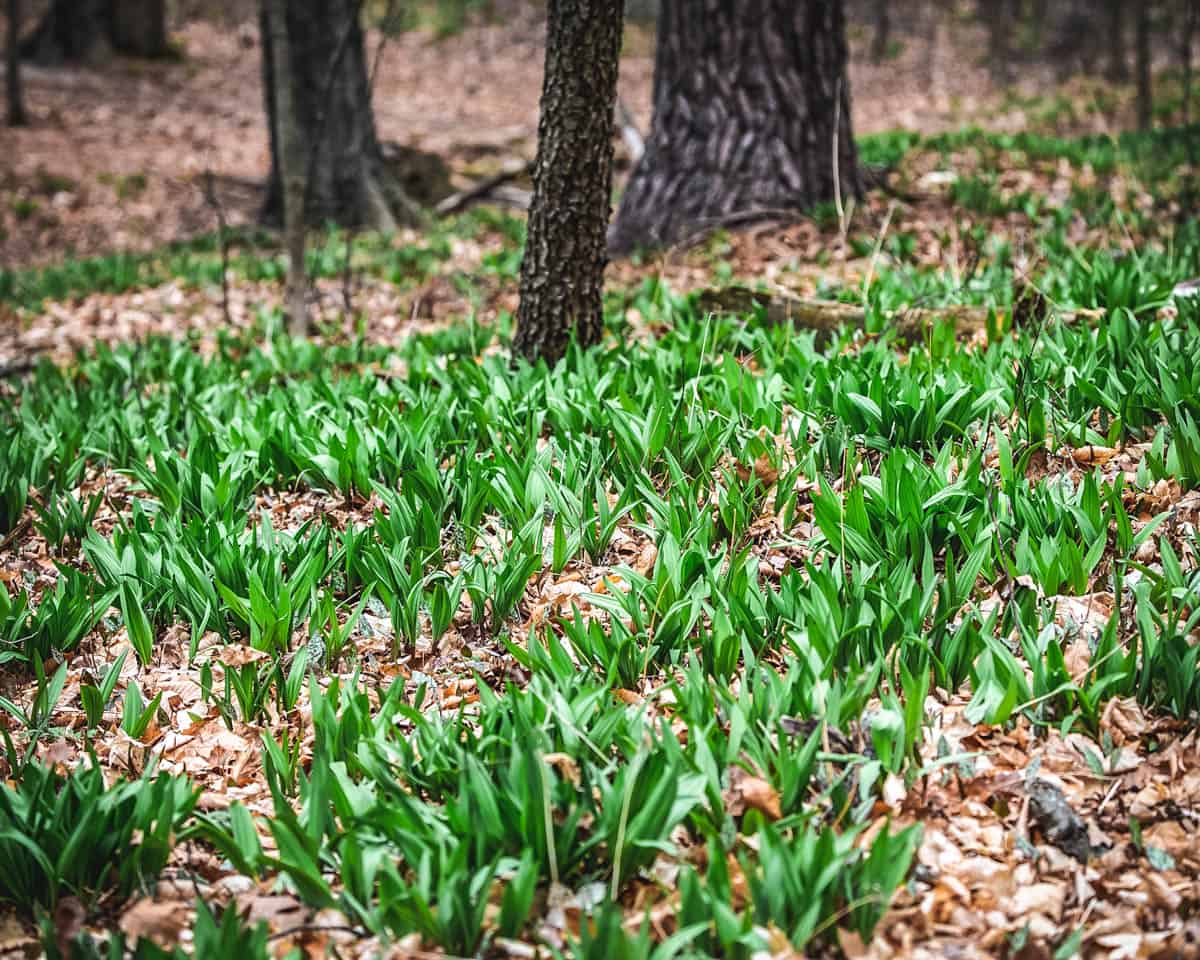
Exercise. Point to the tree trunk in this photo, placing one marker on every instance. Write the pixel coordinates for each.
(883, 29)
(347, 179)
(16, 101)
(1145, 94)
(139, 27)
(998, 27)
(91, 30)
(1190, 16)
(1118, 66)
(292, 164)
(562, 273)
(751, 119)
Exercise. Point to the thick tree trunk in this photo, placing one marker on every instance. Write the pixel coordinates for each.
(562, 273)
(347, 179)
(91, 30)
(286, 130)
(1145, 93)
(16, 100)
(751, 119)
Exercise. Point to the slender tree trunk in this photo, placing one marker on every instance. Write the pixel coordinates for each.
(292, 167)
(935, 26)
(348, 180)
(562, 273)
(751, 119)
(1145, 93)
(1190, 195)
(1118, 66)
(998, 27)
(16, 100)
(883, 30)
(1191, 19)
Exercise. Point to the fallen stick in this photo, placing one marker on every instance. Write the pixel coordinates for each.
(464, 198)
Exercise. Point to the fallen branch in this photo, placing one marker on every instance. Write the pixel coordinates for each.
(16, 532)
(826, 317)
(464, 198)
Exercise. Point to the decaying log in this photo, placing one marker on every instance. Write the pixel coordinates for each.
(826, 317)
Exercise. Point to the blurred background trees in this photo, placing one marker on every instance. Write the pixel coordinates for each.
(73, 30)
(752, 111)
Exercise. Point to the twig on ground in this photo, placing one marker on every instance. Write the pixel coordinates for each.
(16, 532)
(464, 198)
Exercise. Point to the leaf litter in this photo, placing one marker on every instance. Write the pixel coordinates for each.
(1034, 841)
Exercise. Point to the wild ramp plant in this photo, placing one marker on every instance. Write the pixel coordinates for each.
(909, 525)
(74, 835)
(222, 935)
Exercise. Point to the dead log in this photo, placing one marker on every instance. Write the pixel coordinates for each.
(827, 317)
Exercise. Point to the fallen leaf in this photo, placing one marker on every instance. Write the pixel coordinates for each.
(161, 922)
(759, 795)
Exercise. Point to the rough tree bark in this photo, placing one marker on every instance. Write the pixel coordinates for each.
(348, 181)
(90, 30)
(751, 119)
(16, 100)
(1145, 93)
(562, 273)
(292, 164)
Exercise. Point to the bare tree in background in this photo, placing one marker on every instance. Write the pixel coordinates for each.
(999, 23)
(1145, 92)
(562, 273)
(348, 180)
(74, 30)
(292, 164)
(16, 100)
(883, 30)
(1190, 17)
(1118, 66)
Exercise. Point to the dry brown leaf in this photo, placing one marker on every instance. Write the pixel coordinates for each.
(757, 794)
(161, 922)
(565, 764)
(1093, 454)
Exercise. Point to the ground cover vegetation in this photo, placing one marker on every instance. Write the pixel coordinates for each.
(690, 628)
(730, 634)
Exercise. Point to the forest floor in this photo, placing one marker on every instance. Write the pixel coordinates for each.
(116, 154)
(455, 652)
